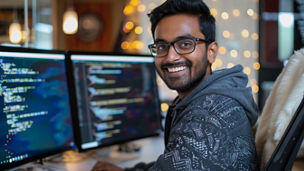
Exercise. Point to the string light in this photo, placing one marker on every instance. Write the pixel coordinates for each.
(164, 107)
(225, 16)
(125, 45)
(213, 67)
(250, 12)
(213, 12)
(128, 10)
(247, 70)
(236, 12)
(255, 88)
(218, 62)
(230, 65)
(255, 36)
(255, 16)
(222, 50)
(247, 54)
(226, 34)
(256, 65)
(128, 26)
(141, 8)
(234, 53)
(138, 30)
(245, 33)
(134, 2)
(137, 45)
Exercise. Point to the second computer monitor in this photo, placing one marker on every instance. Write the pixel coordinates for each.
(116, 98)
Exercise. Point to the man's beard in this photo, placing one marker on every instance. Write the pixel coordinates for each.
(196, 80)
(192, 82)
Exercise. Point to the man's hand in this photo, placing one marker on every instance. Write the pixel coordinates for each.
(104, 166)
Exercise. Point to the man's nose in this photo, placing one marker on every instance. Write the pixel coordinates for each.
(172, 54)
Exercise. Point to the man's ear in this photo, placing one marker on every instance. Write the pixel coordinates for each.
(212, 52)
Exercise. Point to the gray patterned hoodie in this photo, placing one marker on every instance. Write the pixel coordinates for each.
(227, 82)
(211, 128)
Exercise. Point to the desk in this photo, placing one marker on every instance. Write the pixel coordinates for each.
(150, 149)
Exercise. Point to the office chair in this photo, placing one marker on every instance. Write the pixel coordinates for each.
(281, 118)
(285, 153)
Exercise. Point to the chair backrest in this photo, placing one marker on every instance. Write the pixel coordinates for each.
(286, 151)
(281, 106)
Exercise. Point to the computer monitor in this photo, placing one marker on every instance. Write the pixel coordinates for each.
(35, 119)
(117, 98)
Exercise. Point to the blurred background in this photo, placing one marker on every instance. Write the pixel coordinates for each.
(260, 35)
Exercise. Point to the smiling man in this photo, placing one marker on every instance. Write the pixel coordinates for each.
(208, 126)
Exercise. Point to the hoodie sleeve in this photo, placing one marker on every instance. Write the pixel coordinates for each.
(212, 133)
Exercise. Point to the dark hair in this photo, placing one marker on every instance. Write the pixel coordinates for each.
(194, 7)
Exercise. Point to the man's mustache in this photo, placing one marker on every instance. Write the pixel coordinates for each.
(170, 64)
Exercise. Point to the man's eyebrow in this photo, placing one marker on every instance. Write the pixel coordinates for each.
(187, 36)
(159, 40)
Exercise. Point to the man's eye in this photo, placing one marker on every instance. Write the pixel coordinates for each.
(161, 47)
(185, 44)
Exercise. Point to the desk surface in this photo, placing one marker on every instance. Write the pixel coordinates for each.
(150, 149)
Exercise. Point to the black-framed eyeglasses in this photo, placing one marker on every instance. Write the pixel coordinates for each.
(182, 46)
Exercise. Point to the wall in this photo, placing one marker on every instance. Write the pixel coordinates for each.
(107, 10)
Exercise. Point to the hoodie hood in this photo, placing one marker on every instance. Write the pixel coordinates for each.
(228, 82)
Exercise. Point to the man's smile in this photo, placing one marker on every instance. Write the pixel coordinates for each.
(176, 69)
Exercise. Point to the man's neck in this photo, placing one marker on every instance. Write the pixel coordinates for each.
(183, 94)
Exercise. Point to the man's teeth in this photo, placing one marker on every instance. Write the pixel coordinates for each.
(176, 69)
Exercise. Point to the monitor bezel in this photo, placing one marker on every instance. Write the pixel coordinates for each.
(48, 152)
(77, 130)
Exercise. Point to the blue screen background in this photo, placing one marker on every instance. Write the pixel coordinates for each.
(46, 120)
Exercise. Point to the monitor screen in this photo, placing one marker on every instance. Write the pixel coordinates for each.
(35, 119)
(117, 98)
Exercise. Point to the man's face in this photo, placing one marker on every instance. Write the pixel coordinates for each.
(182, 72)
